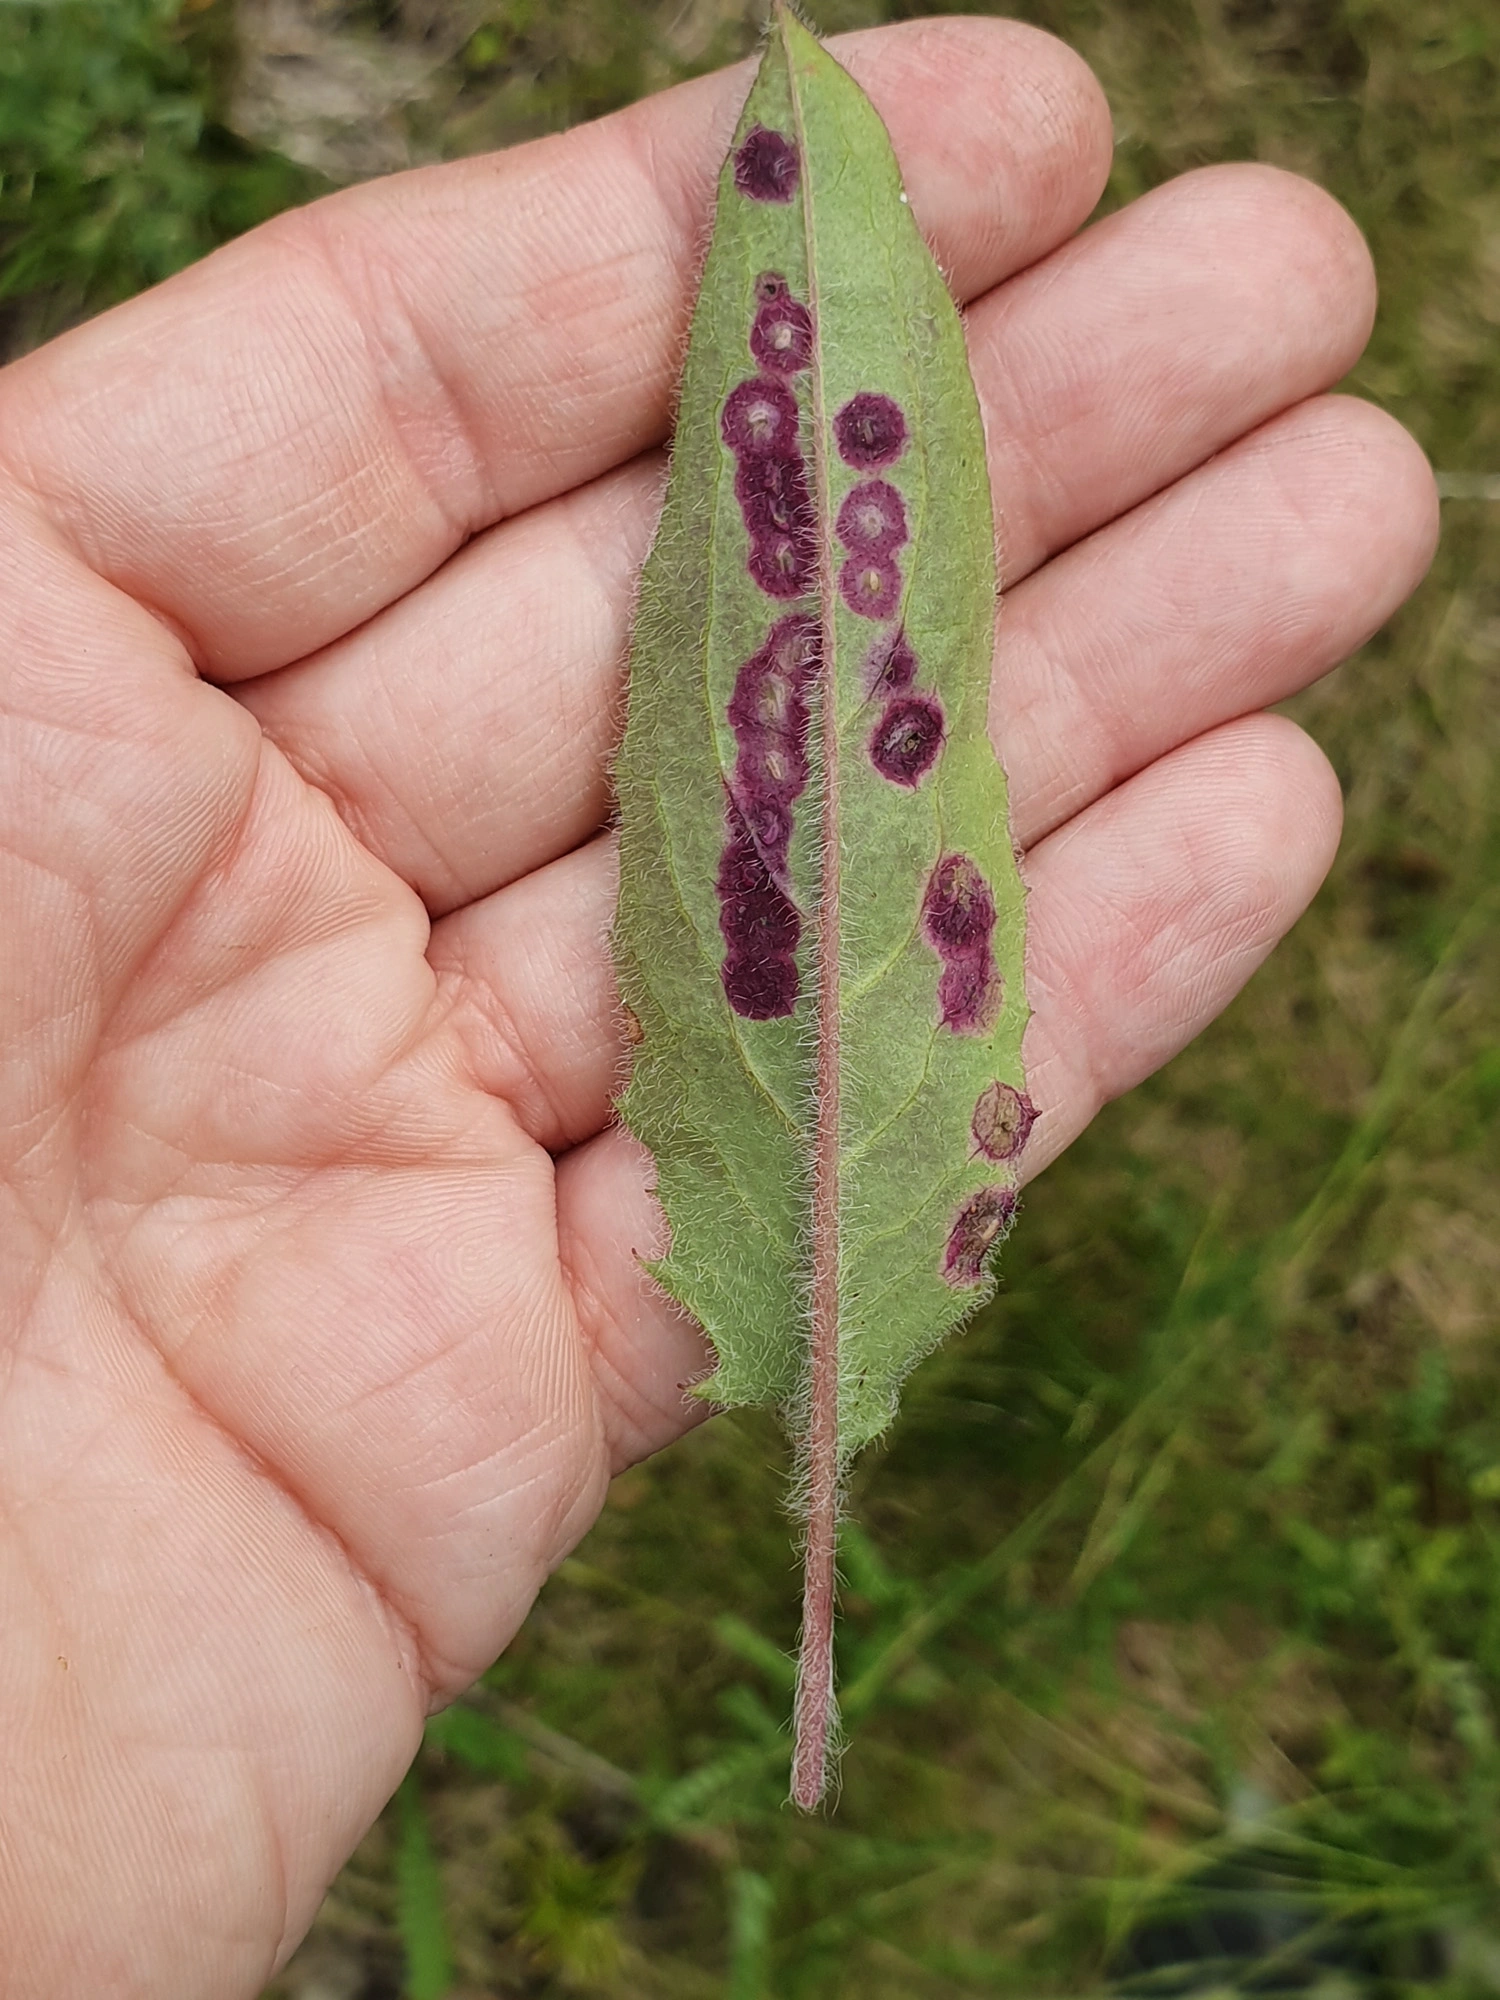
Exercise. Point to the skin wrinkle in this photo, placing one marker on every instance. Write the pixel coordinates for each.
(629, 1438)
(478, 1008)
(462, 515)
(405, 1636)
(420, 1661)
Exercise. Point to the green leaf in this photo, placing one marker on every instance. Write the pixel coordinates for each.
(420, 1917)
(820, 930)
(478, 1742)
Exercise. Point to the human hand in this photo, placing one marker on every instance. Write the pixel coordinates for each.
(324, 1326)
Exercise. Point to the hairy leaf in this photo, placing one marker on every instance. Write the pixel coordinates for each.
(820, 927)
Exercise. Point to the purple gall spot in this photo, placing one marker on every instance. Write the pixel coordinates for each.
(872, 520)
(968, 994)
(795, 645)
(958, 919)
(760, 927)
(761, 989)
(742, 871)
(870, 431)
(783, 565)
(756, 915)
(760, 416)
(782, 335)
(980, 1224)
(872, 589)
(958, 911)
(890, 665)
(771, 285)
(770, 826)
(1002, 1121)
(766, 167)
(907, 739)
(774, 498)
(768, 712)
(770, 688)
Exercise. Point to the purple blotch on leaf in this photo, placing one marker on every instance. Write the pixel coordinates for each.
(783, 565)
(760, 927)
(907, 738)
(781, 336)
(769, 704)
(958, 911)
(760, 416)
(873, 589)
(980, 1224)
(968, 995)
(766, 166)
(759, 922)
(958, 920)
(872, 520)
(870, 431)
(1002, 1121)
(890, 665)
(774, 498)
(768, 712)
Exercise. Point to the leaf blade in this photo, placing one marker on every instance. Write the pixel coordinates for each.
(821, 926)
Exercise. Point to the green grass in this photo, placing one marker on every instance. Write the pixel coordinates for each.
(1175, 1589)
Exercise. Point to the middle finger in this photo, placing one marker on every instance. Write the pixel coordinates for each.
(1109, 371)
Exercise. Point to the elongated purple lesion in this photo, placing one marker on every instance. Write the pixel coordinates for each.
(978, 1228)
(759, 425)
(1002, 1121)
(958, 921)
(758, 920)
(760, 927)
(766, 165)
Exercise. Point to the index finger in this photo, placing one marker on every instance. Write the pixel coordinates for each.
(280, 441)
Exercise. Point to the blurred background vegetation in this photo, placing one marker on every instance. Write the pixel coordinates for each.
(1172, 1636)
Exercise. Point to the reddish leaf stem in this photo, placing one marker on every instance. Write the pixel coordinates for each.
(814, 1717)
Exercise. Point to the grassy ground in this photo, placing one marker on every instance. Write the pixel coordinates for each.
(1174, 1611)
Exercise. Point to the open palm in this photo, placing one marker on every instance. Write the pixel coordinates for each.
(324, 1324)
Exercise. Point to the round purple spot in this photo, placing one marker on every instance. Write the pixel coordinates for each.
(978, 1227)
(890, 664)
(773, 496)
(1002, 1121)
(781, 336)
(760, 989)
(760, 416)
(783, 565)
(873, 589)
(766, 166)
(760, 927)
(872, 520)
(870, 431)
(958, 911)
(907, 739)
